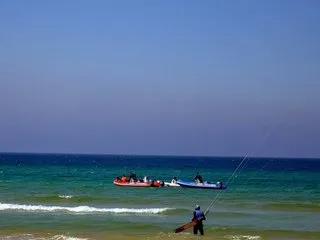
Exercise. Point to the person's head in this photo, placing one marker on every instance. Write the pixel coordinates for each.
(197, 207)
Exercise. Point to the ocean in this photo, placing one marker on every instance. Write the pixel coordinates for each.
(69, 196)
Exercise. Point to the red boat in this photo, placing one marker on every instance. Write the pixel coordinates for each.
(138, 183)
(132, 184)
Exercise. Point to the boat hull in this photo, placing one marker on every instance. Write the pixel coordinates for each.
(205, 185)
(169, 184)
(131, 184)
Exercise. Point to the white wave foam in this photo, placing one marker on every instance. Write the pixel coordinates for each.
(62, 237)
(65, 196)
(31, 237)
(26, 236)
(242, 237)
(80, 209)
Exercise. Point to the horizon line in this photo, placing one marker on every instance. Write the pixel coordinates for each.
(154, 155)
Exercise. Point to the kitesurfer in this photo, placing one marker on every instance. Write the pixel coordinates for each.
(198, 216)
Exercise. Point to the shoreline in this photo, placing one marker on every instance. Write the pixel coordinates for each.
(103, 236)
(213, 234)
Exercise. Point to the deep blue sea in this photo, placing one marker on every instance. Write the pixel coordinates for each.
(61, 196)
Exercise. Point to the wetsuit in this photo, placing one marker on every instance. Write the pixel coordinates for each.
(199, 216)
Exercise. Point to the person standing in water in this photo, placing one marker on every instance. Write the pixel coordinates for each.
(198, 216)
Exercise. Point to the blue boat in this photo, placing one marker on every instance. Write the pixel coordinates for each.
(204, 185)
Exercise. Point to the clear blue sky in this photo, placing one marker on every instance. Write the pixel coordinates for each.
(160, 77)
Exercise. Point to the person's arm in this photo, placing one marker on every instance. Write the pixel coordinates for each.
(201, 217)
(194, 216)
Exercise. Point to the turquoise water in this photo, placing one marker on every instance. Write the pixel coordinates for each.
(74, 195)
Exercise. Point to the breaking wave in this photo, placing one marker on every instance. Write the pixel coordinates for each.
(80, 209)
(242, 237)
(65, 196)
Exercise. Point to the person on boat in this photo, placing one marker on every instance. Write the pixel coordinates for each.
(145, 179)
(198, 216)
(123, 178)
(132, 177)
(198, 178)
(161, 184)
(174, 180)
(155, 183)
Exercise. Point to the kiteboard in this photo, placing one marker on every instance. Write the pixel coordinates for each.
(186, 226)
